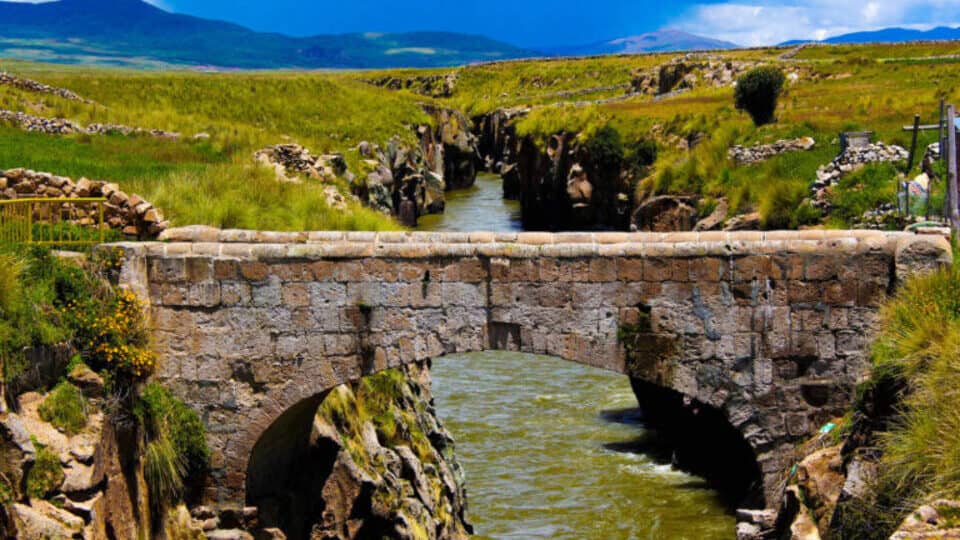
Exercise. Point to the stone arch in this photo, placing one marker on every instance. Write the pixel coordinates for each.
(705, 442)
(276, 475)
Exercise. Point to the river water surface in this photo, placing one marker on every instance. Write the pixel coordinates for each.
(544, 455)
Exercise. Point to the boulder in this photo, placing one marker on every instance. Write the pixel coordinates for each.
(665, 213)
(86, 380)
(821, 476)
(17, 453)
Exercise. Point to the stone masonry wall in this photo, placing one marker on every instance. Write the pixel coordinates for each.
(770, 328)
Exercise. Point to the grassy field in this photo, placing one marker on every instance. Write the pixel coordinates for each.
(876, 87)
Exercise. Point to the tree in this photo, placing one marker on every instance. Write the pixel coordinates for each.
(757, 93)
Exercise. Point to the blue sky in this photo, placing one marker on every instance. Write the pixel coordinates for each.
(534, 23)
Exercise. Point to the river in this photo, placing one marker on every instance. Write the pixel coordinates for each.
(548, 446)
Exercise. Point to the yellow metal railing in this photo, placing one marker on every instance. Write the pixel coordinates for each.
(52, 221)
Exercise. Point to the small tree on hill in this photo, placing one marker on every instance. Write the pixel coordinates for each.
(757, 92)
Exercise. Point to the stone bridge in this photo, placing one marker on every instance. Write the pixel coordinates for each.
(770, 329)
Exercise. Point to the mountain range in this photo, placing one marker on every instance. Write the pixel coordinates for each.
(888, 35)
(115, 31)
(135, 33)
(661, 41)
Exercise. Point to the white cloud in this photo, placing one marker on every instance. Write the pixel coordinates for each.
(752, 23)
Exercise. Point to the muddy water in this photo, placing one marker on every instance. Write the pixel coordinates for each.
(544, 455)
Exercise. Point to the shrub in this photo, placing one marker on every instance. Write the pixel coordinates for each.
(65, 408)
(640, 154)
(113, 334)
(757, 93)
(46, 475)
(177, 448)
(604, 154)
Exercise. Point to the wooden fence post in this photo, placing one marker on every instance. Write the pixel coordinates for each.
(952, 170)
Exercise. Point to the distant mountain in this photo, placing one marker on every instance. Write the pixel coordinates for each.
(888, 35)
(661, 41)
(116, 31)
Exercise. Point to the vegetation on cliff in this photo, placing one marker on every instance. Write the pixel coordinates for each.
(898, 448)
(50, 304)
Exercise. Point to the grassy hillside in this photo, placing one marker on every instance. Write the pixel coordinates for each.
(872, 87)
(211, 181)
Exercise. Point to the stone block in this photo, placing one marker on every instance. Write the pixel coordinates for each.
(657, 269)
(295, 295)
(602, 270)
(254, 270)
(235, 293)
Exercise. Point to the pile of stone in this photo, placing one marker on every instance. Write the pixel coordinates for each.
(9, 79)
(39, 124)
(119, 129)
(129, 214)
(745, 155)
(62, 126)
(687, 72)
(294, 163)
(850, 160)
(437, 86)
(883, 217)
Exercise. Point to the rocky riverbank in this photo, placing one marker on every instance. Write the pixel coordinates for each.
(380, 465)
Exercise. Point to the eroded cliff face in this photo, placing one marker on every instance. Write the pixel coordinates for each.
(379, 465)
(561, 183)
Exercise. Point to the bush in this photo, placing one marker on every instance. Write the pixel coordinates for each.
(113, 334)
(604, 153)
(45, 475)
(65, 408)
(757, 93)
(177, 448)
(640, 154)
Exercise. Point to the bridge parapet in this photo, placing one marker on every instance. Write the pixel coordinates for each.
(770, 328)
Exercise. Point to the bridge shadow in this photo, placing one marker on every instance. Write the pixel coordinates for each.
(694, 438)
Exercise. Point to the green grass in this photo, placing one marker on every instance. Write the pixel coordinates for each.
(916, 369)
(46, 474)
(874, 87)
(177, 452)
(65, 408)
(31, 283)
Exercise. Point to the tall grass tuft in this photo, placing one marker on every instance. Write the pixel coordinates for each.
(65, 408)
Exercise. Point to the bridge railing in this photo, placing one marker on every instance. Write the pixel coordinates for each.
(55, 222)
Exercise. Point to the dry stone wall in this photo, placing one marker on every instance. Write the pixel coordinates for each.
(129, 214)
(9, 79)
(768, 328)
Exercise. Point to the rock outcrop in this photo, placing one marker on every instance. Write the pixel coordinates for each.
(9, 79)
(129, 214)
(688, 72)
(559, 184)
(746, 155)
(380, 465)
(451, 147)
(401, 179)
(665, 213)
(436, 86)
(939, 519)
(293, 163)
